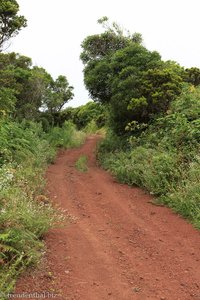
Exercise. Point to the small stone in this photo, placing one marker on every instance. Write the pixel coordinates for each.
(136, 289)
(182, 284)
(152, 213)
(98, 193)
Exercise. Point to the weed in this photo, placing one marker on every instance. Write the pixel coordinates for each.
(66, 137)
(91, 127)
(81, 163)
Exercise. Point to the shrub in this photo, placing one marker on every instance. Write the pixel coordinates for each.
(163, 157)
(67, 136)
(25, 213)
(81, 163)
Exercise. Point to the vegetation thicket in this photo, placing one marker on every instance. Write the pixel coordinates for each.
(28, 142)
(25, 213)
(90, 117)
(153, 116)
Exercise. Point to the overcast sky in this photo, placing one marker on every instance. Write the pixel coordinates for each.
(57, 28)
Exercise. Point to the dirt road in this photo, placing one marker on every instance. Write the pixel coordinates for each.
(121, 246)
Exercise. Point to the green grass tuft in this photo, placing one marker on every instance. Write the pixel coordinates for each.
(81, 163)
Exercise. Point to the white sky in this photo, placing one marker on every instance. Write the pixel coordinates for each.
(57, 28)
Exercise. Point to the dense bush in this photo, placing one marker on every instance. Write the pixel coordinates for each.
(21, 140)
(163, 157)
(25, 213)
(66, 136)
(134, 82)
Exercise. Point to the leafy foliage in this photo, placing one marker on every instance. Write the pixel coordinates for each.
(58, 95)
(10, 22)
(163, 157)
(81, 163)
(25, 89)
(192, 76)
(134, 81)
(66, 136)
(25, 150)
(81, 116)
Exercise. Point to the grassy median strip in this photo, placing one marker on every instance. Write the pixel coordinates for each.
(81, 163)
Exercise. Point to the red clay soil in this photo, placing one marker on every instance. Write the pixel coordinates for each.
(120, 247)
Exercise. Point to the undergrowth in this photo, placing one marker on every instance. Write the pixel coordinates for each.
(81, 163)
(164, 157)
(25, 213)
(66, 136)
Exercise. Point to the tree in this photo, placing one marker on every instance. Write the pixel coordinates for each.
(10, 22)
(192, 76)
(111, 78)
(35, 84)
(7, 100)
(97, 77)
(91, 111)
(25, 89)
(8, 85)
(96, 56)
(133, 81)
(96, 47)
(58, 94)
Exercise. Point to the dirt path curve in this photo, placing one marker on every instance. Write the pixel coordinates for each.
(121, 247)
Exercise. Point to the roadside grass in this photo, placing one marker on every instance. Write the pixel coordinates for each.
(102, 131)
(164, 158)
(81, 163)
(26, 214)
(66, 136)
(91, 128)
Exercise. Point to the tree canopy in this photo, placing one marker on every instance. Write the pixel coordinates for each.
(120, 72)
(10, 22)
(25, 89)
(58, 94)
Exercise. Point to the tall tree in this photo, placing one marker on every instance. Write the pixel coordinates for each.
(35, 85)
(59, 93)
(134, 81)
(10, 21)
(96, 56)
(96, 47)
